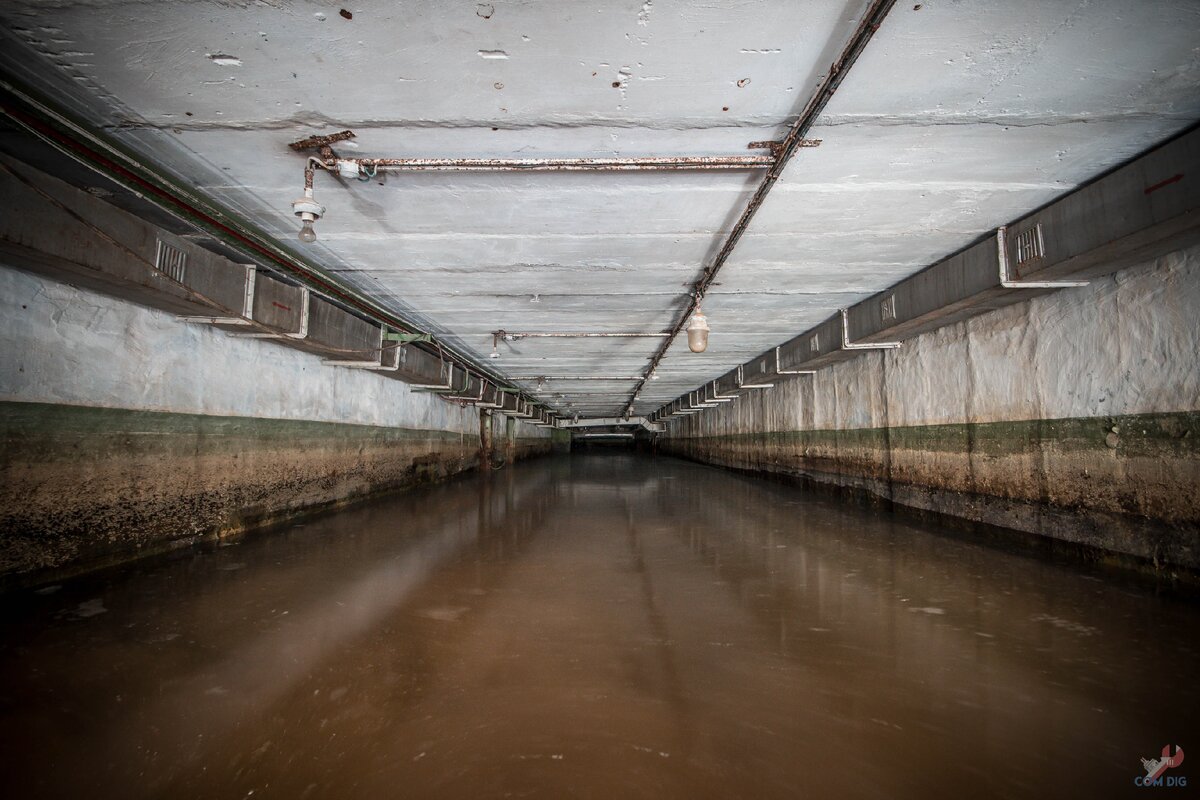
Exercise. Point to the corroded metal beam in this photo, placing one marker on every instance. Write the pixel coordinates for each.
(794, 140)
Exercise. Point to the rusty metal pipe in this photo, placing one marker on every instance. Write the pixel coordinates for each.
(512, 337)
(872, 18)
(576, 378)
(657, 164)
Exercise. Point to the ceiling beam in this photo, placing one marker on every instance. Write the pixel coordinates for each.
(871, 20)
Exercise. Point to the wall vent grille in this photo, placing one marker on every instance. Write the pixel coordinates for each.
(1030, 245)
(171, 261)
(887, 308)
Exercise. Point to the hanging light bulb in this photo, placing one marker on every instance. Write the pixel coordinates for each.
(309, 211)
(307, 234)
(697, 332)
(495, 353)
(654, 375)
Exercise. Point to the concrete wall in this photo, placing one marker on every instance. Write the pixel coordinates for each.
(125, 429)
(1073, 415)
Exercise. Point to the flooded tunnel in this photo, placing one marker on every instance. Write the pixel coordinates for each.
(618, 399)
(605, 624)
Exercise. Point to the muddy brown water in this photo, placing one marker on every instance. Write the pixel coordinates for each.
(594, 626)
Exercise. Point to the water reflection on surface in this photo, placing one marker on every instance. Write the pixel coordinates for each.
(595, 626)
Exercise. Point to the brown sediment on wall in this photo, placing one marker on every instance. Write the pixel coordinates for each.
(1124, 484)
(83, 486)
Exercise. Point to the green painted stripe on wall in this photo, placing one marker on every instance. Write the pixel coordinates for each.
(41, 430)
(1172, 434)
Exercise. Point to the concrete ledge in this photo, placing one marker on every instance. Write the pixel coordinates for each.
(1130, 492)
(83, 486)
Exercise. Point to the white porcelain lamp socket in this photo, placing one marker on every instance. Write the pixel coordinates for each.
(309, 211)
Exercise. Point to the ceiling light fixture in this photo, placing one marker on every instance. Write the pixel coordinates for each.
(697, 332)
(309, 211)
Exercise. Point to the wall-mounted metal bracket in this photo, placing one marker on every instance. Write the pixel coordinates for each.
(378, 365)
(527, 413)
(395, 352)
(779, 370)
(717, 398)
(681, 410)
(741, 378)
(702, 403)
(848, 345)
(216, 320)
(437, 387)
(497, 395)
(549, 422)
(1006, 280)
(302, 333)
(247, 317)
(467, 398)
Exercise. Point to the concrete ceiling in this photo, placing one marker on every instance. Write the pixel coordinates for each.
(960, 116)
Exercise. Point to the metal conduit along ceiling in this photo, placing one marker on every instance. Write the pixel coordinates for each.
(951, 119)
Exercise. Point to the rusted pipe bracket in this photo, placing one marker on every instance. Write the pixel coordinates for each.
(848, 345)
(318, 142)
(776, 147)
(1006, 280)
